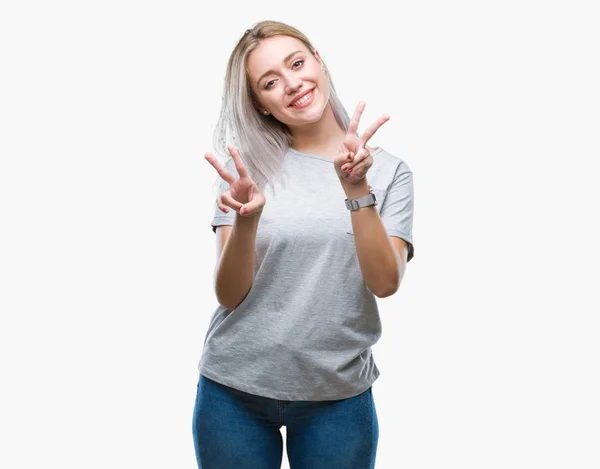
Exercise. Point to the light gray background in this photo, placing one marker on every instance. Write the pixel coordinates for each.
(489, 355)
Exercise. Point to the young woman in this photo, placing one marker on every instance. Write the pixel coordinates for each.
(312, 224)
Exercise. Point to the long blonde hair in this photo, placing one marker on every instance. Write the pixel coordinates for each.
(262, 141)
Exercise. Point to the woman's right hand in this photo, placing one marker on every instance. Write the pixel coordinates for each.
(243, 194)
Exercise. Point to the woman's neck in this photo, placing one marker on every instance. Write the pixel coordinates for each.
(323, 137)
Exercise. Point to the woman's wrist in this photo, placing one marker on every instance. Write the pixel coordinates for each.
(356, 190)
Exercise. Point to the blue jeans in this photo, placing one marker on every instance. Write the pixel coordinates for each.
(236, 430)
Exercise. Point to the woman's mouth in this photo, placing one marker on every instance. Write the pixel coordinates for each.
(304, 101)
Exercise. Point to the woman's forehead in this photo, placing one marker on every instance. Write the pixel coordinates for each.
(272, 51)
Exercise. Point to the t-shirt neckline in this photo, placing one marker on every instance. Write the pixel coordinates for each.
(324, 158)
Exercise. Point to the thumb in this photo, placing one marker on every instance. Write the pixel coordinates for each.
(252, 207)
(344, 158)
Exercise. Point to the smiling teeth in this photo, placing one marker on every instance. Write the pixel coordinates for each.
(303, 99)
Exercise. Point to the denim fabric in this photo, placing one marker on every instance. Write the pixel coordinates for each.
(236, 430)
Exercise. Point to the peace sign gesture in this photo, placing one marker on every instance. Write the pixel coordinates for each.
(354, 159)
(243, 194)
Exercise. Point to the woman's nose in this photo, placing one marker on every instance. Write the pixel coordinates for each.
(292, 84)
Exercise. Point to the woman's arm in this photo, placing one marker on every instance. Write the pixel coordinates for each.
(235, 266)
(382, 262)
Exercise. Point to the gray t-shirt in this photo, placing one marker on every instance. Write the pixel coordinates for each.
(305, 329)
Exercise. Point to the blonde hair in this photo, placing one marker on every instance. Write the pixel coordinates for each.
(262, 141)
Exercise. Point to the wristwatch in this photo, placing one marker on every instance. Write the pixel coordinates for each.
(364, 201)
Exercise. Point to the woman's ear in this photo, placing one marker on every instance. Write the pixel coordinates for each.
(261, 109)
(318, 57)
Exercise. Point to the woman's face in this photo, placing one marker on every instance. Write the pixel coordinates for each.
(288, 80)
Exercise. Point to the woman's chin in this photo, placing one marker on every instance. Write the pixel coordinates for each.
(309, 117)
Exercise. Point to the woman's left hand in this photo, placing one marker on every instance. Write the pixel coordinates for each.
(354, 159)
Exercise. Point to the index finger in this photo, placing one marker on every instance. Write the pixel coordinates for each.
(367, 134)
(225, 175)
(353, 126)
(237, 159)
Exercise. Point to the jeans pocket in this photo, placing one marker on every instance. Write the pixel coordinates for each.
(380, 195)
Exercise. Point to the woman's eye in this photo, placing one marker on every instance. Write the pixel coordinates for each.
(296, 64)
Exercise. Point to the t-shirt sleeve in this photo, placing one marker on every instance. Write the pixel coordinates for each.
(397, 210)
(220, 217)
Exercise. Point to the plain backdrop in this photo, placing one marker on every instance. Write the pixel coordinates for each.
(489, 356)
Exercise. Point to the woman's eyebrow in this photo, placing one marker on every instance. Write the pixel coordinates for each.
(288, 57)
